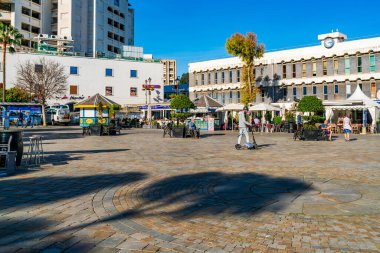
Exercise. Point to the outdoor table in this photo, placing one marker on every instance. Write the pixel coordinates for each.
(16, 143)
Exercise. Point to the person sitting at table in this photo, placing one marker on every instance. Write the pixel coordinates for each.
(326, 127)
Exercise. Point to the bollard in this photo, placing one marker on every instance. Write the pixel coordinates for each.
(10, 163)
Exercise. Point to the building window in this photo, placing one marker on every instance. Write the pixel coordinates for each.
(133, 92)
(210, 94)
(133, 73)
(336, 89)
(285, 93)
(360, 69)
(73, 70)
(314, 67)
(304, 90)
(325, 92)
(294, 92)
(109, 91)
(209, 78)
(216, 77)
(238, 76)
(216, 96)
(222, 77)
(73, 89)
(294, 70)
(303, 69)
(284, 71)
(373, 90)
(336, 66)
(238, 96)
(324, 62)
(372, 63)
(348, 88)
(314, 90)
(109, 72)
(347, 69)
(223, 98)
(203, 79)
(196, 79)
(230, 76)
(231, 96)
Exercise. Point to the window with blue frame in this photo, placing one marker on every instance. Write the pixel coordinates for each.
(304, 90)
(223, 98)
(336, 89)
(372, 63)
(73, 70)
(347, 67)
(314, 90)
(109, 72)
(294, 92)
(133, 73)
(238, 96)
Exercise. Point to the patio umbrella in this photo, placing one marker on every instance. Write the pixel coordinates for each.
(231, 108)
(263, 107)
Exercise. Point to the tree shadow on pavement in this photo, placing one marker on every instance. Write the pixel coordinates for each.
(214, 193)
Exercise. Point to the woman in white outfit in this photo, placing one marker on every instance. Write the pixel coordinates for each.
(347, 127)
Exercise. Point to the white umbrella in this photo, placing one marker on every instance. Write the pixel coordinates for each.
(263, 107)
(232, 107)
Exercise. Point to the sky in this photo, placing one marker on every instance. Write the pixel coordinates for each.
(197, 30)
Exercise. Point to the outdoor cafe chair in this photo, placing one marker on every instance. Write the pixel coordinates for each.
(6, 148)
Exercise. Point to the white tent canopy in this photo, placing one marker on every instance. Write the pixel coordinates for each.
(263, 107)
(357, 101)
(231, 107)
(360, 96)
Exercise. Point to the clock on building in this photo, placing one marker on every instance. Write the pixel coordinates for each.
(329, 43)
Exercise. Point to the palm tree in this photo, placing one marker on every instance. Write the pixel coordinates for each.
(9, 37)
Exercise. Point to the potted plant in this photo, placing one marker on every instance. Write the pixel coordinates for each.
(314, 106)
(181, 104)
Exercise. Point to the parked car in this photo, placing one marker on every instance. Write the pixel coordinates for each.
(58, 116)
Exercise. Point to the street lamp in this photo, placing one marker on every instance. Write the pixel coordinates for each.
(176, 83)
(148, 90)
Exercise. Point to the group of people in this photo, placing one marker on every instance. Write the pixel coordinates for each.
(326, 126)
(26, 120)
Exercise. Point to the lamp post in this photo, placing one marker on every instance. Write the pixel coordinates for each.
(176, 83)
(149, 90)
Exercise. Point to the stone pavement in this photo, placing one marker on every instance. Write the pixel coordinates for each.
(139, 192)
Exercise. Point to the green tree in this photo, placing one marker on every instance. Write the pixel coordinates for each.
(9, 38)
(181, 102)
(311, 104)
(184, 78)
(16, 95)
(247, 49)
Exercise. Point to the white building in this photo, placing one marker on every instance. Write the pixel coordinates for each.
(105, 25)
(170, 71)
(330, 71)
(121, 80)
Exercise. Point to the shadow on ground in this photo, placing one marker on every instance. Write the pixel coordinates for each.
(215, 193)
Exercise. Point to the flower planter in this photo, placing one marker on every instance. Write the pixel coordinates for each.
(96, 130)
(178, 132)
(311, 135)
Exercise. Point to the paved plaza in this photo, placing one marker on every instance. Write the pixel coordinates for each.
(139, 192)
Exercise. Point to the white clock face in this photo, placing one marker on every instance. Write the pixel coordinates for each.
(329, 43)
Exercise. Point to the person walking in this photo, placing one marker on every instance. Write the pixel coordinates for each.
(243, 125)
(347, 127)
(20, 119)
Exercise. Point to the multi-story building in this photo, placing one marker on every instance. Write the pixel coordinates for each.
(170, 71)
(101, 26)
(119, 79)
(330, 71)
(26, 16)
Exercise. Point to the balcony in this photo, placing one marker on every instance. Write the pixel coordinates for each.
(5, 16)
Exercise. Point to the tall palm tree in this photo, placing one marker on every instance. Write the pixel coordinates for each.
(9, 38)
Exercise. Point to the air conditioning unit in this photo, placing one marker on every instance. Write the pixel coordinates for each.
(43, 36)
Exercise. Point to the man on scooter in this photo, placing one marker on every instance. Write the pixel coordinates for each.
(243, 127)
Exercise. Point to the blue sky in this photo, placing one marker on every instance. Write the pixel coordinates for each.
(196, 30)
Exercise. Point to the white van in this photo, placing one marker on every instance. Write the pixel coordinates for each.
(58, 116)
